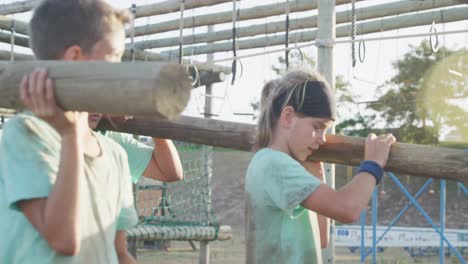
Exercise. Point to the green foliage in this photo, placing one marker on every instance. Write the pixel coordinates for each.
(417, 100)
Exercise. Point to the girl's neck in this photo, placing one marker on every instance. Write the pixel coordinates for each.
(279, 143)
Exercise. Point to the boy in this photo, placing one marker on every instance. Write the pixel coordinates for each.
(65, 191)
(160, 163)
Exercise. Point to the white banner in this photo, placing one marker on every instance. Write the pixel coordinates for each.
(350, 236)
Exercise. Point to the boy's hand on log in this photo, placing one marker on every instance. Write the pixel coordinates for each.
(378, 147)
(37, 94)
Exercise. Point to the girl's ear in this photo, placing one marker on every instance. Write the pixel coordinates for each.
(287, 116)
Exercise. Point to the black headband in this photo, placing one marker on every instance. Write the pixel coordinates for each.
(318, 101)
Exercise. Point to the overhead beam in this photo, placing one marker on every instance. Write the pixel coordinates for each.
(142, 55)
(165, 7)
(139, 55)
(386, 24)
(18, 7)
(171, 6)
(7, 23)
(19, 40)
(153, 89)
(6, 55)
(370, 12)
(411, 159)
(226, 17)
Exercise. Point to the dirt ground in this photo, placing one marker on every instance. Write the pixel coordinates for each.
(228, 200)
(233, 252)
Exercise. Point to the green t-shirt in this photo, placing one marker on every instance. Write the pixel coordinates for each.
(29, 160)
(139, 154)
(279, 230)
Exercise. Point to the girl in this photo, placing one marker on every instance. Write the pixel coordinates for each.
(288, 204)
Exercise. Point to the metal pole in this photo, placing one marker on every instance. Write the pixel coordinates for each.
(208, 88)
(442, 220)
(363, 235)
(204, 245)
(374, 225)
(326, 33)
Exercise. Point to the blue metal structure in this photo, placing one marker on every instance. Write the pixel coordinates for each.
(413, 201)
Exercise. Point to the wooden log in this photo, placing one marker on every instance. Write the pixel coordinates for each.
(155, 89)
(18, 7)
(140, 55)
(190, 129)
(171, 6)
(370, 12)
(208, 73)
(419, 160)
(7, 23)
(396, 22)
(226, 17)
(208, 78)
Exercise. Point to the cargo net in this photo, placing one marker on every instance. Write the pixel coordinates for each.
(183, 208)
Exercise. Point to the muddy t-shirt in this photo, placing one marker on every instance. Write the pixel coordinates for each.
(279, 229)
(139, 154)
(30, 153)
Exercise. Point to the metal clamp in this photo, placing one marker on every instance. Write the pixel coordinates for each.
(322, 43)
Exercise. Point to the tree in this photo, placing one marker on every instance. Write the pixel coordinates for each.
(417, 102)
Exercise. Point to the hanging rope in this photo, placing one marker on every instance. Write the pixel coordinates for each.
(353, 32)
(192, 69)
(432, 29)
(181, 31)
(317, 43)
(12, 40)
(286, 37)
(132, 38)
(234, 43)
(299, 50)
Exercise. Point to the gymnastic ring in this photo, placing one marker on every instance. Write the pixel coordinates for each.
(434, 47)
(192, 70)
(362, 51)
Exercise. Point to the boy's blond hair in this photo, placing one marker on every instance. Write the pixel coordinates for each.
(59, 24)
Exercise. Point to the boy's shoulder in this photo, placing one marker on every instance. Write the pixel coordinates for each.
(20, 120)
(27, 125)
